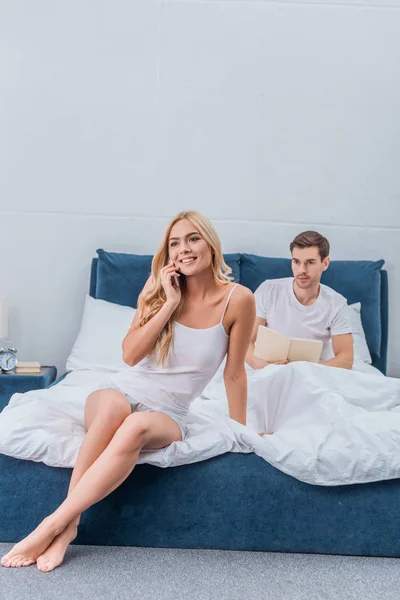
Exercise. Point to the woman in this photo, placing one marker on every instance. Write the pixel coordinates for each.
(190, 315)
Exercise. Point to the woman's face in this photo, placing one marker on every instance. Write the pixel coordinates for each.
(188, 249)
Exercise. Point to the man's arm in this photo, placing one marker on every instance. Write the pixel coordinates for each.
(342, 346)
(254, 361)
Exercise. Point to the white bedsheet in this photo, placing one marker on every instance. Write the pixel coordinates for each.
(331, 426)
(48, 426)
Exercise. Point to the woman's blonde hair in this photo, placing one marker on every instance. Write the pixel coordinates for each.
(151, 300)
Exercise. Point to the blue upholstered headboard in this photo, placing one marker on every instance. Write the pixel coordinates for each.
(381, 362)
(244, 273)
(93, 278)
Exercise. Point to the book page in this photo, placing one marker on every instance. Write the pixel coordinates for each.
(309, 350)
(271, 345)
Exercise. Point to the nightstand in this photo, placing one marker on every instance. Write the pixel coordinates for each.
(12, 383)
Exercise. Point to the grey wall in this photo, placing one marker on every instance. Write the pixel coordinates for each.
(269, 117)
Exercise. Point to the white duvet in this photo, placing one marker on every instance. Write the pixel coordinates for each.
(331, 426)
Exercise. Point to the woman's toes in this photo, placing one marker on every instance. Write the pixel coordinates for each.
(20, 561)
(25, 562)
(28, 562)
(43, 566)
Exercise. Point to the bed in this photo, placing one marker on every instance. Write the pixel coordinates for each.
(234, 500)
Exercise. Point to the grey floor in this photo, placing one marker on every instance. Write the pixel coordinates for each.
(104, 572)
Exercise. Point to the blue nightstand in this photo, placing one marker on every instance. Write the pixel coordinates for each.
(11, 383)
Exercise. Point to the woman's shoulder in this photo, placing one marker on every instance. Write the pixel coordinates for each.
(242, 297)
(241, 308)
(149, 284)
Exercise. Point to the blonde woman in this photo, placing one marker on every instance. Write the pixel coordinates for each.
(189, 316)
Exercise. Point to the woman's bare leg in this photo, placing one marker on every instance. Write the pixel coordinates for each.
(110, 469)
(105, 411)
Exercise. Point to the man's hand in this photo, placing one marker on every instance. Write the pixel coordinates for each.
(258, 363)
(278, 362)
(266, 433)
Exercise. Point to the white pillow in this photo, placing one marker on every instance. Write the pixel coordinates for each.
(99, 342)
(104, 325)
(361, 350)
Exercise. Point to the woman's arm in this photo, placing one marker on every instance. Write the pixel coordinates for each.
(235, 378)
(139, 341)
(253, 361)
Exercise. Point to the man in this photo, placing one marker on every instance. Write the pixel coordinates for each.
(302, 307)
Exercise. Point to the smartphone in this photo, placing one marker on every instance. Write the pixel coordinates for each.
(175, 277)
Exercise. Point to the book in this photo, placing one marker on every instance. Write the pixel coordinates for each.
(25, 365)
(37, 373)
(27, 368)
(21, 370)
(272, 346)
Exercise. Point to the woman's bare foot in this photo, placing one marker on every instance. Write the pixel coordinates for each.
(54, 555)
(27, 551)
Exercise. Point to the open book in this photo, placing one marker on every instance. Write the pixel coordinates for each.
(272, 346)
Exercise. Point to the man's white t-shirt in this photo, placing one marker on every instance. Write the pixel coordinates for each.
(327, 316)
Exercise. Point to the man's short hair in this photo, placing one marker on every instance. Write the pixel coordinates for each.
(308, 239)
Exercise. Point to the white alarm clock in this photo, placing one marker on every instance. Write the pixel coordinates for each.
(8, 359)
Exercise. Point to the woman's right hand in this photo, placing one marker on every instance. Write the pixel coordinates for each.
(171, 288)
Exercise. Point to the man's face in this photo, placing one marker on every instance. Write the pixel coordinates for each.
(307, 266)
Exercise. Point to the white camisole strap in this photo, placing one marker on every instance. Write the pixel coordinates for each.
(227, 302)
